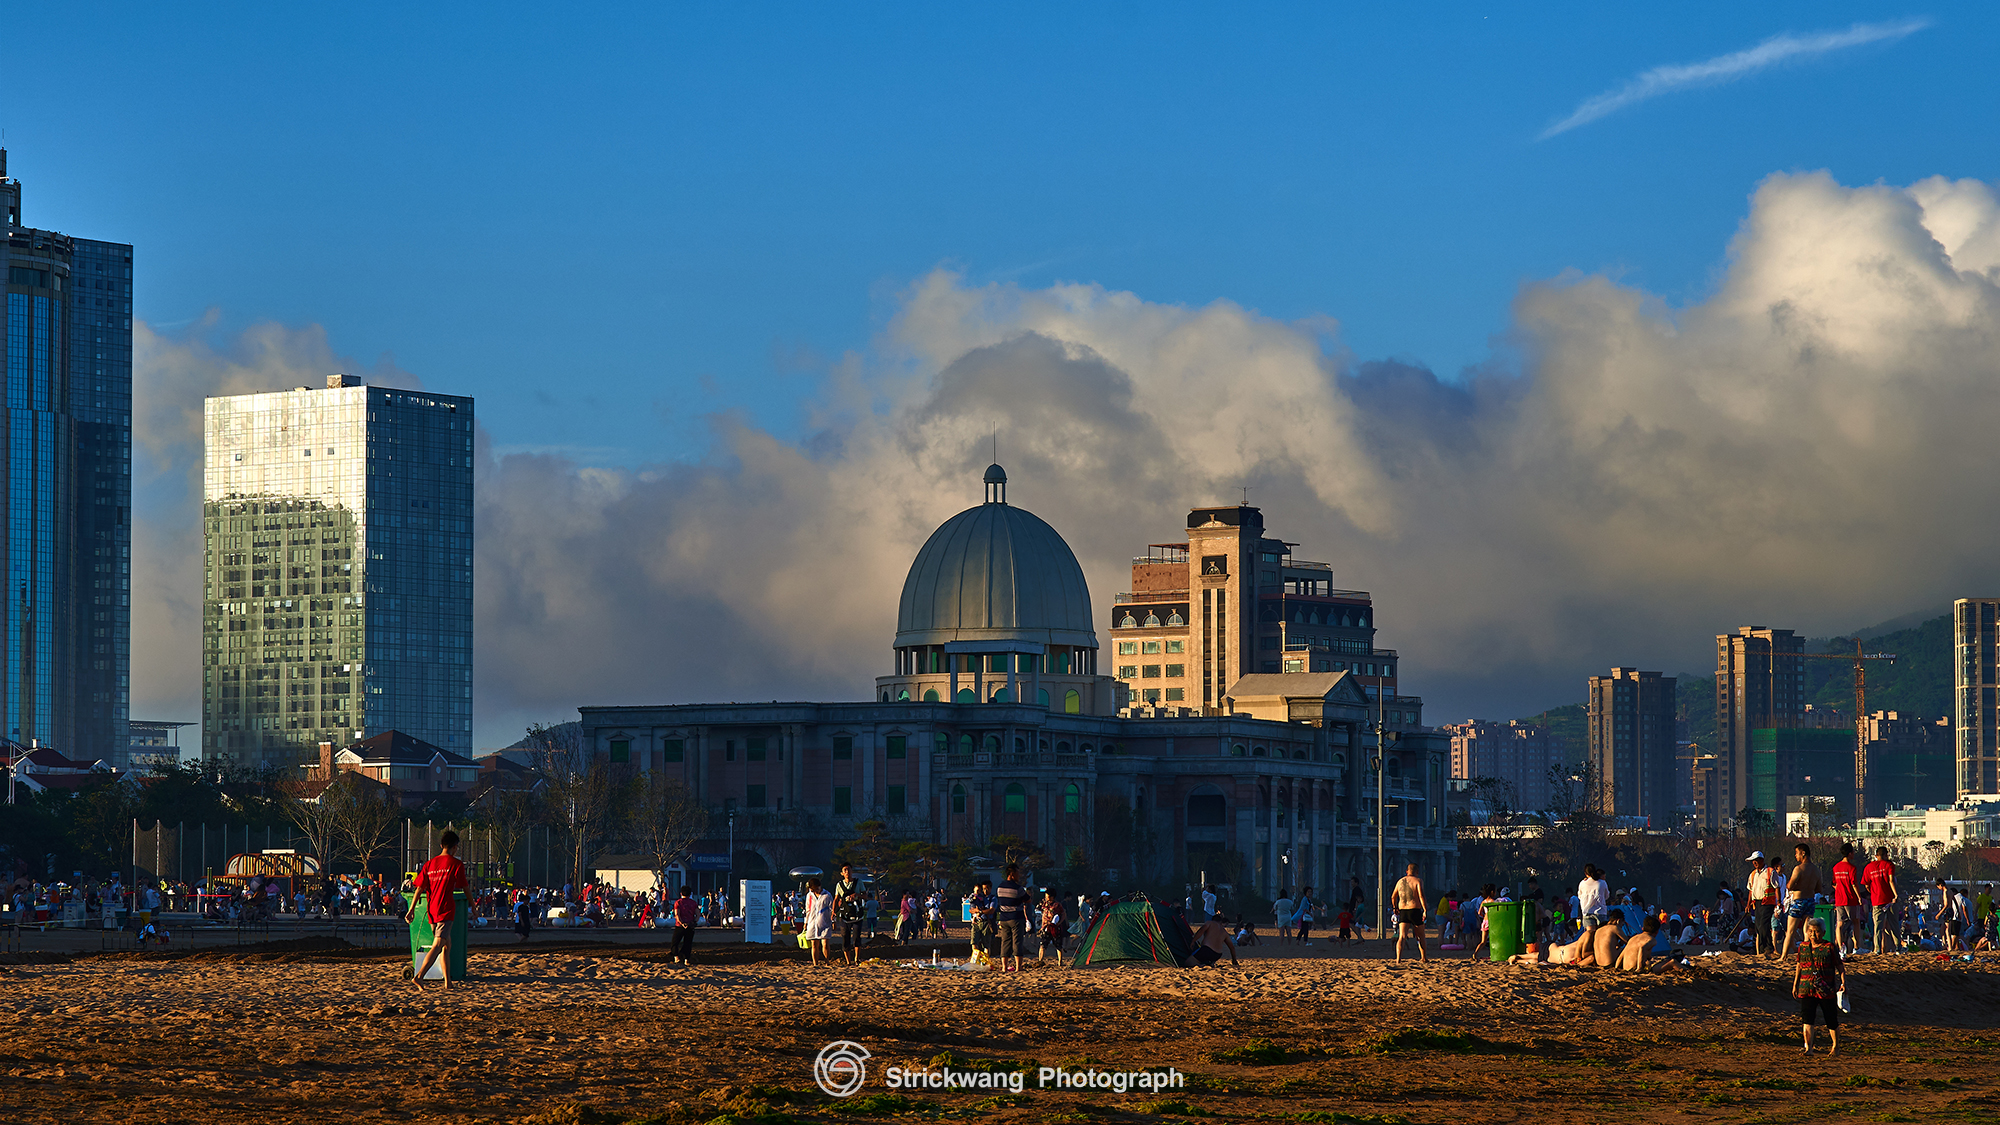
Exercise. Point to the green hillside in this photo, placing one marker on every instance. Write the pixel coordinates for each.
(1918, 683)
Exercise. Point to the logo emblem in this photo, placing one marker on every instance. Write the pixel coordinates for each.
(841, 1067)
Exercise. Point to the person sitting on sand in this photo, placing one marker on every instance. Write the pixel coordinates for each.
(1578, 954)
(437, 881)
(1633, 957)
(1210, 942)
(1246, 932)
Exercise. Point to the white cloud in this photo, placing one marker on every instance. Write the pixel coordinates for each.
(1809, 447)
(1728, 68)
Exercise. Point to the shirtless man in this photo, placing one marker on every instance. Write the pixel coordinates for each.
(1210, 942)
(1799, 891)
(1633, 957)
(1408, 900)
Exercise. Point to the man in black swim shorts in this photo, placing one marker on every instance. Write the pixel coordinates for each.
(1408, 901)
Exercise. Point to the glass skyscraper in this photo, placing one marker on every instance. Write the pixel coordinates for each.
(337, 573)
(67, 338)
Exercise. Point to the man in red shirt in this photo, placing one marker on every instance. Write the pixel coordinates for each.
(685, 913)
(1846, 903)
(1880, 879)
(439, 877)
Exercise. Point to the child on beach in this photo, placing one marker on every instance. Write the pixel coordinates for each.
(442, 875)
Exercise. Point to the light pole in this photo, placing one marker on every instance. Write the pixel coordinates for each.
(729, 872)
(1382, 739)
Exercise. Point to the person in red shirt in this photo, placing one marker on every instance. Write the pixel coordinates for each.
(1880, 879)
(1846, 903)
(685, 914)
(439, 877)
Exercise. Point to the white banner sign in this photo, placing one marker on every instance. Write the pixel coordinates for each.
(755, 895)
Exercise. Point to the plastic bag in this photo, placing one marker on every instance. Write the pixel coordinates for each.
(1840, 999)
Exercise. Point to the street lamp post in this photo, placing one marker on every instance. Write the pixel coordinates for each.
(1382, 740)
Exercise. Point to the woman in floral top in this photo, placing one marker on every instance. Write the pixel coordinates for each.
(1818, 982)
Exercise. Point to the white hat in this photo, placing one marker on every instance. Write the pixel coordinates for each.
(1756, 855)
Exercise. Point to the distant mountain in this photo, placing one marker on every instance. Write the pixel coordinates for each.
(1917, 683)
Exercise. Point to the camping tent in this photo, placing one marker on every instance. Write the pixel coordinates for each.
(1135, 931)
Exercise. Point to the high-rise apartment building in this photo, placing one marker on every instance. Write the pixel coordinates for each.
(1230, 602)
(1632, 743)
(1756, 687)
(337, 584)
(1517, 754)
(65, 657)
(1975, 680)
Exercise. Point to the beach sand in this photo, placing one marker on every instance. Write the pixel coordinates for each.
(576, 1032)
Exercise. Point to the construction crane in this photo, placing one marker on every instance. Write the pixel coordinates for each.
(1860, 660)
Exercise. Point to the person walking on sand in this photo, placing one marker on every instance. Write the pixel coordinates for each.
(1800, 890)
(1593, 898)
(1817, 982)
(438, 878)
(1281, 910)
(819, 922)
(1880, 879)
(1408, 900)
(1302, 916)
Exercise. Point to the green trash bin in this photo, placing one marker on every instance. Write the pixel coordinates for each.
(421, 935)
(1503, 929)
(1824, 912)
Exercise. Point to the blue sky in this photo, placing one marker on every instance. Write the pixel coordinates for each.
(697, 208)
(612, 225)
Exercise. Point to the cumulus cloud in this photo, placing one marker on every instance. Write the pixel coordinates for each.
(1730, 67)
(172, 373)
(1808, 447)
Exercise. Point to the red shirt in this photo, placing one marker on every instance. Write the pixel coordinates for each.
(1843, 884)
(1877, 876)
(684, 911)
(439, 877)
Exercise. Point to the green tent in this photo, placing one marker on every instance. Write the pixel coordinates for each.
(1135, 931)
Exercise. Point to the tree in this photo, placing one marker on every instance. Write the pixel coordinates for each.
(315, 818)
(583, 794)
(1756, 823)
(1013, 849)
(665, 820)
(362, 816)
(509, 813)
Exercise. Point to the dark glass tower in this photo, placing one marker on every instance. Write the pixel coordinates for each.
(67, 338)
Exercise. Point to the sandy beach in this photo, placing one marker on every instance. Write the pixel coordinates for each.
(581, 1032)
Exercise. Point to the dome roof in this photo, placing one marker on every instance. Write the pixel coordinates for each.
(993, 573)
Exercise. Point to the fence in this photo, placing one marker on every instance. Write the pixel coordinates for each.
(189, 853)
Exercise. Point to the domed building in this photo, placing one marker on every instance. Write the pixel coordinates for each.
(1231, 735)
(995, 609)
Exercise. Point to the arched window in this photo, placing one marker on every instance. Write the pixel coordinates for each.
(1062, 746)
(931, 696)
(1152, 621)
(1015, 799)
(1042, 697)
(1236, 751)
(965, 695)
(1206, 808)
(965, 744)
(1259, 752)
(1001, 696)
(958, 798)
(1073, 701)
(992, 744)
(1298, 755)
(1175, 618)
(1083, 749)
(1395, 768)
(1020, 746)
(1339, 759)
(903, 696)
(1128, 622)
(1072, 799)
(885, 696)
